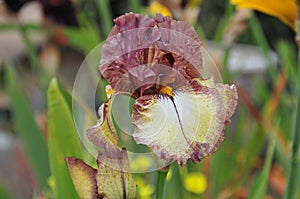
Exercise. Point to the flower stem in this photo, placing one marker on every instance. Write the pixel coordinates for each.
(161, 183)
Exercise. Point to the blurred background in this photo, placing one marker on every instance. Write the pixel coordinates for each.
(251, 42)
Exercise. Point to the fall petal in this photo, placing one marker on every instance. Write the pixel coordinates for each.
(83, 177)
(115, 182)
(187, 126)
(228, 94)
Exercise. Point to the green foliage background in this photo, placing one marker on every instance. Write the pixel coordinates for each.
(232, 168)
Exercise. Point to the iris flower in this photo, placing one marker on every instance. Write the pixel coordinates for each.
(178, 112)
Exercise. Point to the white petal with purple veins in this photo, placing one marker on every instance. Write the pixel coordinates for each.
(188, 125)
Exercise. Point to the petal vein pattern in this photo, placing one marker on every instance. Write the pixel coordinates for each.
(188, 125)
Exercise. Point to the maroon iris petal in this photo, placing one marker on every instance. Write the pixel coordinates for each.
(157, 51)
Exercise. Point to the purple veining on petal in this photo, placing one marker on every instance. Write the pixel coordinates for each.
(138, 40)
(197, 142)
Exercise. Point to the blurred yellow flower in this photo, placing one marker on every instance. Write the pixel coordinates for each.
(145, 190)
(141, 163)
(156, 7)
(195, 183)
(284, 10)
